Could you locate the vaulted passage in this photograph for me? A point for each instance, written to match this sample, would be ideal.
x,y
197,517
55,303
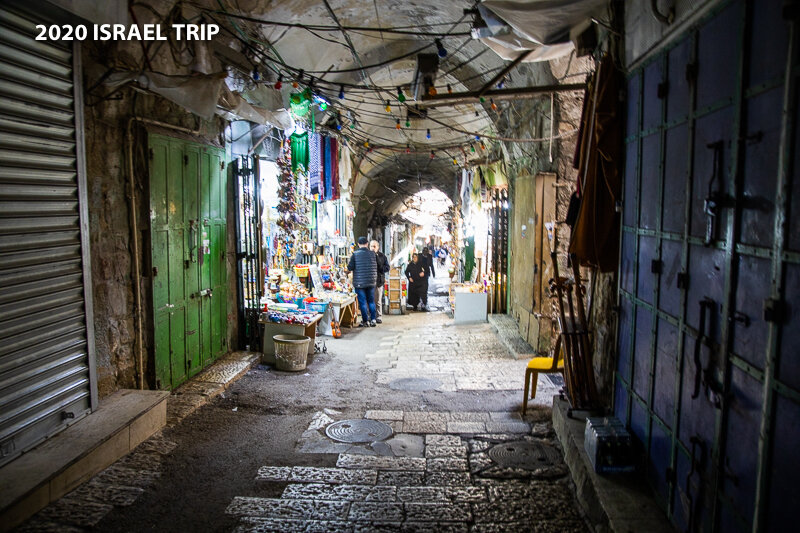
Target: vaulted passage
x,y
370,265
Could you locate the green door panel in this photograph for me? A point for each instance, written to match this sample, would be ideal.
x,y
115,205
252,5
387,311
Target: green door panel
x,y
187,254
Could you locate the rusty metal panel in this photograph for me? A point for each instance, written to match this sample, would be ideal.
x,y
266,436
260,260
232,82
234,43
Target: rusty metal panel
x,y
749,327
744,415
768,43
665,371
713,135
678,88
646,278
788,367
651,104
717,57
669,293
675,175
761,167
648,193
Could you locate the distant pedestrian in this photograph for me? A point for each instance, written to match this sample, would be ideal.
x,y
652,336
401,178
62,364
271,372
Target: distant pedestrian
x,y
383,268
430,272
415,272
364,266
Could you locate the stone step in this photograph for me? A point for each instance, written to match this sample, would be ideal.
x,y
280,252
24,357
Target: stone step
x,y
313,474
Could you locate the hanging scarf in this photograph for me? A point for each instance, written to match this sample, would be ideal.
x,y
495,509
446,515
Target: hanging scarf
x,y
299,151
314,163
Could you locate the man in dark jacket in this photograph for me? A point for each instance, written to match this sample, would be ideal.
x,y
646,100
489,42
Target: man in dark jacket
x,y
383,268
427,263
364,266
415,272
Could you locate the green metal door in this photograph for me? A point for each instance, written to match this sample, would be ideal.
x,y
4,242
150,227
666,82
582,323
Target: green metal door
x,y
187,201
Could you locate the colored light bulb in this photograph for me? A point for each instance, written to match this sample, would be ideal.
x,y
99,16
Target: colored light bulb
x,y
440,48
449,89
400,96
397,125
388,108
279,83
341,92
432,91
493,105
432,154
428,134
408,123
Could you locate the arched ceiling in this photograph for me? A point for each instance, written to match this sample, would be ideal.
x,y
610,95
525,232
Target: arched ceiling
x,y
371,65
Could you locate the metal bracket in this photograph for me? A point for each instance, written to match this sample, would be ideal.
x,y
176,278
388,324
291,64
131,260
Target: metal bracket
x,y
655,266
774,310
740,317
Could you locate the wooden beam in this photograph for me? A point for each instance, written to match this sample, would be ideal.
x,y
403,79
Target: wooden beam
x,y
516,93
506,69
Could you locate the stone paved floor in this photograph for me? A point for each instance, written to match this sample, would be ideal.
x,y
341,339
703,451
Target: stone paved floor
x,y
441,478
256,456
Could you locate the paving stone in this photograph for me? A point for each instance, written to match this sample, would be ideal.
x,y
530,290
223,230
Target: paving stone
x,y
455,512
352,493
504,416
122,476
438,527
422,416
447,464
436,450
141,461
447,478
400,478
456,416
320,420
321,445
384,415
380,463
442,440
507,427
75,511
274,473
157,444
99,492
252,524
464,494
39,525
466,427
479,446
425,426
377,527
312,474
407,445
366,511
278,508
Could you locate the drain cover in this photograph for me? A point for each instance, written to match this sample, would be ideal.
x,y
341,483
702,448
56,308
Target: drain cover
x,y
524,454
360,430
415,384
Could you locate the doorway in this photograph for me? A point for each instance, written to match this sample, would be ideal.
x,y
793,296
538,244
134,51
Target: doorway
x,y
188,217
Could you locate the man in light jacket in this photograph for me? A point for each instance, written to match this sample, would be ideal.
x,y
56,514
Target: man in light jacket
x,y
383,268
364,266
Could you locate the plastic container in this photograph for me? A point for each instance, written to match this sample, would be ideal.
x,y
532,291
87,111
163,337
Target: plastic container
x,y
291,352
301,271
317,307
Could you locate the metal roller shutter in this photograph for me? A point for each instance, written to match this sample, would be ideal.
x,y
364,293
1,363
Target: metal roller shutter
x,y
46,337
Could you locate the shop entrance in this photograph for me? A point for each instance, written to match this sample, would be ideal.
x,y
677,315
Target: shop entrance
x,y
187,206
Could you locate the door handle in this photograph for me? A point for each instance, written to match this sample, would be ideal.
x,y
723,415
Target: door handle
x,y
192,241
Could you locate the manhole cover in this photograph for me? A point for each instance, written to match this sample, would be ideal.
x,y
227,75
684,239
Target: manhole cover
x,y
361,430
415,384
524,454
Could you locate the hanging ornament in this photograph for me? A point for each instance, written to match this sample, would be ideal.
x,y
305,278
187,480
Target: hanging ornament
x,y
428,134
440,48
493,105
279,83
341,92
397,124
400,96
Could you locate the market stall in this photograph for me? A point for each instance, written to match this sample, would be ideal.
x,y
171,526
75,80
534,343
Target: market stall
x,y
287,319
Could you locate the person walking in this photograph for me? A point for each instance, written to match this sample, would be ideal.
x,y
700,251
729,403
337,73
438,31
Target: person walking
x,y
415,272
364,266
383,268
430,272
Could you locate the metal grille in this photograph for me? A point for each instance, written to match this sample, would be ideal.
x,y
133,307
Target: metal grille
x,y
499,248
248,248
46,339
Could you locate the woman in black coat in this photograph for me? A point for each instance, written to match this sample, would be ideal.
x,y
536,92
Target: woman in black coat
x,y
415,272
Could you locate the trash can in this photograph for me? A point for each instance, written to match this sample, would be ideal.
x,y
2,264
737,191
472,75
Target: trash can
x,y
291,352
